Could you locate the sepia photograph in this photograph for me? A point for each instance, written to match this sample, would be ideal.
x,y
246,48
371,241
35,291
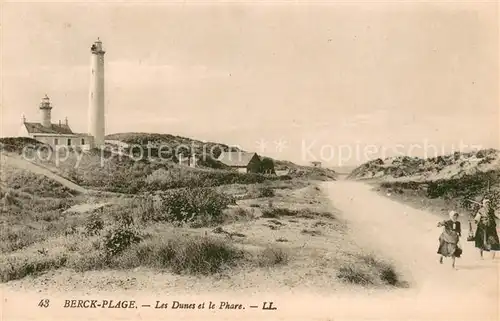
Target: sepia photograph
x,y
250,160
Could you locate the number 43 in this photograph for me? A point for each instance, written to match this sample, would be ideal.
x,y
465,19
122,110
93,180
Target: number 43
x,y
44,303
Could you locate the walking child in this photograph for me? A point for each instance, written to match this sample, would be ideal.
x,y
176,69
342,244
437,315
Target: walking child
x,y
449,238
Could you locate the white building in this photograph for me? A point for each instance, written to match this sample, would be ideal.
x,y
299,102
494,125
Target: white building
x,y
60,134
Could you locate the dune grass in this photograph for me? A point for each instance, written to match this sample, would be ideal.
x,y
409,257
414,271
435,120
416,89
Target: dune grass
x,y
368,270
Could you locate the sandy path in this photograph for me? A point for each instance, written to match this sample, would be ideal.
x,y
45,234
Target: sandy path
x,y
391,229
409,237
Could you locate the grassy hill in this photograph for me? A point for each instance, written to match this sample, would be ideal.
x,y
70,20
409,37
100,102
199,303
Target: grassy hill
x,y
141,138
17,144
450,166
448,181
31,207
132,172
172,145
211,151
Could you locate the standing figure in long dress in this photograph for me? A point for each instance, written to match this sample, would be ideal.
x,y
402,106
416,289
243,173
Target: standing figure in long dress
x,y
449,238
486,237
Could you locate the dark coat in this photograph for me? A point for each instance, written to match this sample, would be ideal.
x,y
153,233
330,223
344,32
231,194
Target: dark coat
x,y
486,237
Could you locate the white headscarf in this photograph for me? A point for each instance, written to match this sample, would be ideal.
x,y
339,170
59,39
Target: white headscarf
x,y
452,214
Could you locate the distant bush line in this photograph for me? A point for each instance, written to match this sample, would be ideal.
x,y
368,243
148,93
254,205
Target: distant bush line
x,y
125,175
465,188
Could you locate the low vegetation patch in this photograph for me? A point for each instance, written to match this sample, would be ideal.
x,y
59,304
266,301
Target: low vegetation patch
x,y
351,273
368,270
460,191
266,191
197,207
178,177
118,239
110,172
94,224
311,232
20,144
272,256
260,190
196,255
386,272
238,214
468,187
276,212
192,255
34,184
29,219
18,267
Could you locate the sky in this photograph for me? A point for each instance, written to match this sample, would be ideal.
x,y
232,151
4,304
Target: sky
x,y
335,82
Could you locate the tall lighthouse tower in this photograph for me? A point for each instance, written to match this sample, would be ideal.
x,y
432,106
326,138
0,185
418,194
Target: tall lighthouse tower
x,y
96,98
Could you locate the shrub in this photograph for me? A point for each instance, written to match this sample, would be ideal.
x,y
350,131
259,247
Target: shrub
x,y
94,225
203,256
271,256
123,218
117,239
383,270
146,208
238,214
194,255
275,212
353,274
267,166
198,206
266,191
201,204
388,275
48,216
269,213
311,232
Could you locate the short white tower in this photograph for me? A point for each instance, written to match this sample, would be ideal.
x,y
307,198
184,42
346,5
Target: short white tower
x,y
96,98
45,109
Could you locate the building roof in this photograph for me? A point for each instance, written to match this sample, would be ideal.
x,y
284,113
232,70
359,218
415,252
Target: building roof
x,y
38,128
236,159
82,134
